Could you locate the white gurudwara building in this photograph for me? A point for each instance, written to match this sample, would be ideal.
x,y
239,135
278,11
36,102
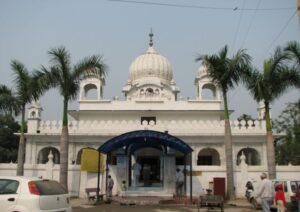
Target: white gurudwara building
x,y
153,126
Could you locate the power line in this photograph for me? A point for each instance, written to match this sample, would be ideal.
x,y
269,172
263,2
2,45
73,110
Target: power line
x,y
238,27
251,22
198,6
281,31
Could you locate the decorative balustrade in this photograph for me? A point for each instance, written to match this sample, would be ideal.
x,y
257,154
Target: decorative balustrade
x,y
173,126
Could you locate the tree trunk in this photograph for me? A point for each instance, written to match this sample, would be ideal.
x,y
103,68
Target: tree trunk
x,y
64,150
228,152
270,144
21,149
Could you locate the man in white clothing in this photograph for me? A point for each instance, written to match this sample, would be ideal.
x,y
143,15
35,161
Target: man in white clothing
x,y
179,182
266,192
136,172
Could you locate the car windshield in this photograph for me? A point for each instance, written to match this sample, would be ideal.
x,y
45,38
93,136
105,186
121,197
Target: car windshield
x,y
49,187
295,185
8,186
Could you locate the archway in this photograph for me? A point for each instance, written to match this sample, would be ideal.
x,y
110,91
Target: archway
x,y
90,92
79,154
208,92
43,155
208,157
252,156
149,139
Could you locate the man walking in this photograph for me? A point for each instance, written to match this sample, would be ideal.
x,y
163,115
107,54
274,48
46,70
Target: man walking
x,y
266,193
110,185
179,183
136,172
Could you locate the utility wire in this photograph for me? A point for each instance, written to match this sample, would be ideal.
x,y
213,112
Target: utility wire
x,y
198,6
238,27
281,31
251,22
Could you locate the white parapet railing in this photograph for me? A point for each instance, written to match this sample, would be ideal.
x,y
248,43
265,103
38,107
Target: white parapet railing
x,y
178,127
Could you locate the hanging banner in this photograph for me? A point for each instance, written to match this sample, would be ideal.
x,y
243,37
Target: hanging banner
x,y
89,161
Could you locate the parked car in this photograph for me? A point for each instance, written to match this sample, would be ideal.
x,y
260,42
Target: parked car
x,y
28,194
289,188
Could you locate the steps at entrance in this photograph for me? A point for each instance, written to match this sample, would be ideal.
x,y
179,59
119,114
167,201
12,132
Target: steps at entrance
x,y
146,192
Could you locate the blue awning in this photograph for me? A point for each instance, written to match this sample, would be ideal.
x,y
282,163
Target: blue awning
x,y
145,136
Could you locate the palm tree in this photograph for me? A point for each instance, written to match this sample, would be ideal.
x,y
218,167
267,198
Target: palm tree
x,y
62,75
27,89
293,49
269,85
225,72
8,102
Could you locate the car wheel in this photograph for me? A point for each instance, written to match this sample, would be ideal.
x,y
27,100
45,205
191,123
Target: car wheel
x,y
254,204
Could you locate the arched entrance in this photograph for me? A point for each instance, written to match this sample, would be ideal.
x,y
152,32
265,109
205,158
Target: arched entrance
x,y
152,149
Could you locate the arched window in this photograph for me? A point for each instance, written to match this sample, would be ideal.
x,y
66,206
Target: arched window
x,y
33,114
43,155
208,157
149,91
208,92
252,156
79,154
90,92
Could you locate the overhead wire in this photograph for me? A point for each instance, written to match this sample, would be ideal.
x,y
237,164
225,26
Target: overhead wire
x,y
251,22
198,6
280,32
238,27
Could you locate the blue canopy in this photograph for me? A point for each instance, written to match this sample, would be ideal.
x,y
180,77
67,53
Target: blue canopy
x,y
145,137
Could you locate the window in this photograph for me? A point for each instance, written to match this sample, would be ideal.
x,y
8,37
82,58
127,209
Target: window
x,y
208,92
8,186
90,92
148,119
43,155
49,187
208,157
252,156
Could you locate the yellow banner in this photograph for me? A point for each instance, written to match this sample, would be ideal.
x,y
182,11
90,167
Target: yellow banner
x,y
89,161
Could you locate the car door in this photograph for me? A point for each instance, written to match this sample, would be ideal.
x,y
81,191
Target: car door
x,y
8,193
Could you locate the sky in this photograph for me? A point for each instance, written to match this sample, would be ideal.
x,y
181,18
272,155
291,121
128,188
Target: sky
x,y
119,32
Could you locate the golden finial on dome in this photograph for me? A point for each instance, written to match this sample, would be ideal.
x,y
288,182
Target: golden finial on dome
x,y
151,36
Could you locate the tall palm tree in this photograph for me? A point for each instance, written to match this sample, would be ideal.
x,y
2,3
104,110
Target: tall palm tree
x,y
27,89
269,85
8,102
225,72
293,49
62,75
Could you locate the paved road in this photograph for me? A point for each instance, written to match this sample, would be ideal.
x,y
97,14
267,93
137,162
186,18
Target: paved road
x,y
160,208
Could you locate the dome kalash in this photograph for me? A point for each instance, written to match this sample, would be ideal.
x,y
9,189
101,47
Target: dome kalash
x,y
150,75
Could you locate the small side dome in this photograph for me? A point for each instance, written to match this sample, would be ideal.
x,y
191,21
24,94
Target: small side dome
x,y
202,71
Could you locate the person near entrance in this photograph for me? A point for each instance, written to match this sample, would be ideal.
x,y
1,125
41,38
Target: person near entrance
x,y
136,172
266,192
110,185
179,182
146,175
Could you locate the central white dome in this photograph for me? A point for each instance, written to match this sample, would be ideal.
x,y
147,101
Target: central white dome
x,y
151,64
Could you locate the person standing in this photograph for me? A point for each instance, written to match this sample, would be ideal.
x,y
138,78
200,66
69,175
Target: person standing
x,y
266,193
280,198
136,172
179,182
110,185
298,197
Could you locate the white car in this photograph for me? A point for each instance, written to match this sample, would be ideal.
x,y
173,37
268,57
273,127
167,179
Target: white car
x,y
289,187
28,194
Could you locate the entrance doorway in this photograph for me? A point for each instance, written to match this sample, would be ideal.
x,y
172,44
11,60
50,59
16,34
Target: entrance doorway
x,y
151,164
150,174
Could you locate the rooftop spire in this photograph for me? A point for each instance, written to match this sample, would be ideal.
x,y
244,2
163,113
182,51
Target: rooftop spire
x,y
151,36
